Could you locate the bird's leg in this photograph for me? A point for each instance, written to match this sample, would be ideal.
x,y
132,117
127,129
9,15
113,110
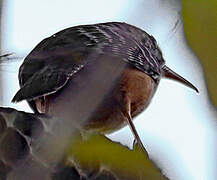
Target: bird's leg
x,y
136,145
129,119
134,131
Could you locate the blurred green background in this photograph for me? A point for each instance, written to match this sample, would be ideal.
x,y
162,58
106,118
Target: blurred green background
x,y
200,26
168,137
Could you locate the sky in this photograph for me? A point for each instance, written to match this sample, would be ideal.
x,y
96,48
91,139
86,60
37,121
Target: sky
x,y
177,127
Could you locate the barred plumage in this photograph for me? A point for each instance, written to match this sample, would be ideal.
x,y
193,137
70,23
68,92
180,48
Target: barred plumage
x,y
76,46
116,64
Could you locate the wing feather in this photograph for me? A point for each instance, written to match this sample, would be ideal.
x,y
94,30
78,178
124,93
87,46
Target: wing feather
x,y
51,63
44,82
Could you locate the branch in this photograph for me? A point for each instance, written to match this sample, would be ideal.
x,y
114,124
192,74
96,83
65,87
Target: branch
x,y
41,147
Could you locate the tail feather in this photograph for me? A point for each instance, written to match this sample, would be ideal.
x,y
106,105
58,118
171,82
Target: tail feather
x,y
168,73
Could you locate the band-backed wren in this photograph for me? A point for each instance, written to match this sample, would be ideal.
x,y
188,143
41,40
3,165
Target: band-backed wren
x,y
99,75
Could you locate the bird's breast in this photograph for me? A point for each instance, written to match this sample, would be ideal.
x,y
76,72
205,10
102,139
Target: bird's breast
x,y
137,86
94,100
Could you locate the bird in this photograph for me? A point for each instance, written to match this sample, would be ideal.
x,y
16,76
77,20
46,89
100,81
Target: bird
x,y
100,75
